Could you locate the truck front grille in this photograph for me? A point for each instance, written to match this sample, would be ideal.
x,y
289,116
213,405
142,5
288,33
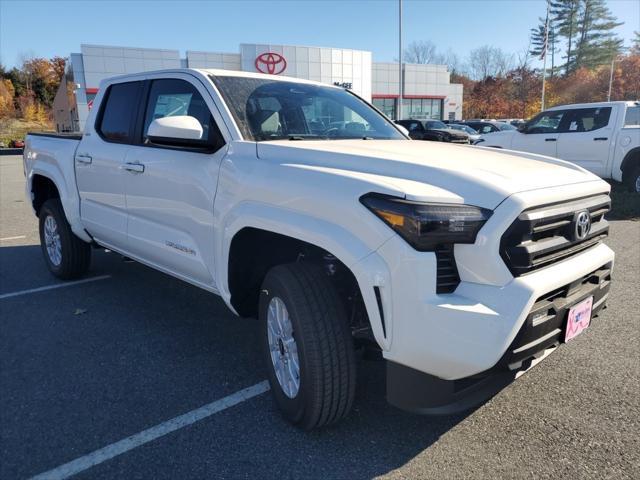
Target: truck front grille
x,y
541,236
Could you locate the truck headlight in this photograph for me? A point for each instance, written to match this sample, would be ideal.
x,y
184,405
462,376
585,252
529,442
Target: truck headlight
x,y
426,225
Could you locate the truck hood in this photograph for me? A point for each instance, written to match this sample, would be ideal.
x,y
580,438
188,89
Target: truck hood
x,y
428,171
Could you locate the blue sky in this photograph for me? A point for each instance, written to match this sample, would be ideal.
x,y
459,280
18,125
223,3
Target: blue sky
x,y
48,28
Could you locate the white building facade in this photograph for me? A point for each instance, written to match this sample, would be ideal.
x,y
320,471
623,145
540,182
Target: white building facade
x,y
428,93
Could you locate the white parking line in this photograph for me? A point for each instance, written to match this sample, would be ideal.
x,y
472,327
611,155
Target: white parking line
x,y
51,287
122,446
6,239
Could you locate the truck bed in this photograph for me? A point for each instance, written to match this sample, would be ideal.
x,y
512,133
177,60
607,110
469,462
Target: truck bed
x,y
52,156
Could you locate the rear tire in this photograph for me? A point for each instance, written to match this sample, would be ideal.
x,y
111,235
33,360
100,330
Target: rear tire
x,y
316,334
633,179
67,257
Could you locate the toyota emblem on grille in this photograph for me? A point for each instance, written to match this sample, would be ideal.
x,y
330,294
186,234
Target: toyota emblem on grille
x,y
270,62
582,225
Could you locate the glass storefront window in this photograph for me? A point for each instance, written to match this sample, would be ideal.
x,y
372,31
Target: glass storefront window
x,y
414,108
386,106
422,108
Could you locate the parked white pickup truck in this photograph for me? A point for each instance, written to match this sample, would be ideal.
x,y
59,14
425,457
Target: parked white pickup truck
x,y
300,204
604,138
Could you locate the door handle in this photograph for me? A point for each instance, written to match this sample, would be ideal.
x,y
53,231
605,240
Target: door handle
x,y
133,167
84,158
600,139
550,139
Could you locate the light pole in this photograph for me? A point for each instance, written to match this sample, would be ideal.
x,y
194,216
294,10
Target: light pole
x,y
613,60
401,87
544,53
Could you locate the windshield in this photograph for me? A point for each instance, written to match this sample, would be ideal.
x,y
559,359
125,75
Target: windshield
x,y
435,125
464,128
275,110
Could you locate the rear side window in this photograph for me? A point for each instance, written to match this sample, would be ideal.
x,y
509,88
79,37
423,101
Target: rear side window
x,y
171,97
632,118
411,126
587,119
119,112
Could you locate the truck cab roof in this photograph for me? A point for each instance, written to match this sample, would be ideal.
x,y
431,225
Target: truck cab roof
x,y
595,105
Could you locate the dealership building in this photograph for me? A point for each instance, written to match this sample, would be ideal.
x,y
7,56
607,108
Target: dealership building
x,y
427,91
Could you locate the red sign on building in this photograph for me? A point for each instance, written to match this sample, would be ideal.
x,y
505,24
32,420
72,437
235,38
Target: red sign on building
x,y
272,63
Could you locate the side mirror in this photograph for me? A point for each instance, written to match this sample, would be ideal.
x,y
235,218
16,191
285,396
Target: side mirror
x,y
181,130
522,128
402,129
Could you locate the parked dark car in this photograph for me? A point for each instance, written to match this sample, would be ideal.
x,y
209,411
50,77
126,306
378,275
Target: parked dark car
x,y
474,136
486,126
433,130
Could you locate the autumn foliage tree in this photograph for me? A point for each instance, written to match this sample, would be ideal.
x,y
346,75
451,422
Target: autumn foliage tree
x,y
28,91
585,31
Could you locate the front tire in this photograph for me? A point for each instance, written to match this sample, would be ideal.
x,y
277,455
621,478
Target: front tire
x,y
67,257
308,346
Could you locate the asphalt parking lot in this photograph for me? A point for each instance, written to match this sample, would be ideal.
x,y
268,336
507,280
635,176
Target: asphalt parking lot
x,y
84,366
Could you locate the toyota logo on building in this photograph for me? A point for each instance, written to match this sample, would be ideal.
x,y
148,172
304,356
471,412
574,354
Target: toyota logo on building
x,y
582,225
272,63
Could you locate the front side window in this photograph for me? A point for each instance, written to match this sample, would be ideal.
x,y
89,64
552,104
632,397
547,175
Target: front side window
x,y
275,110
546,122
632,117
587,119
173,97
119,111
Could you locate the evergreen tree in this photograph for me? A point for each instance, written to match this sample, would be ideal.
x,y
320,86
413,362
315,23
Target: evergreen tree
x,y
635,44
597,43
564,15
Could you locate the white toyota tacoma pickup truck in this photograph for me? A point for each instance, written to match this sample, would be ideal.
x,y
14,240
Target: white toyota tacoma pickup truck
x,y
603,138
302,205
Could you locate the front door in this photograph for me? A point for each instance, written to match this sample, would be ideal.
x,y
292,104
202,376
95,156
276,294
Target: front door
x,y
541,134
170,190
586,137
99,160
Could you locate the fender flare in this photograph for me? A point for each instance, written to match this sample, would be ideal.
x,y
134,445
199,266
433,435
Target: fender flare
x,y
69,200
333,238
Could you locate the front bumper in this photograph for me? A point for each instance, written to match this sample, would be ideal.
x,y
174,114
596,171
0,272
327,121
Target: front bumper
x,y
542,332
457,335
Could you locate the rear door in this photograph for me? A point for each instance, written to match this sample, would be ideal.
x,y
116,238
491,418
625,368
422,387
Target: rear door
x,y
99,159
170,189
585,138
541,134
